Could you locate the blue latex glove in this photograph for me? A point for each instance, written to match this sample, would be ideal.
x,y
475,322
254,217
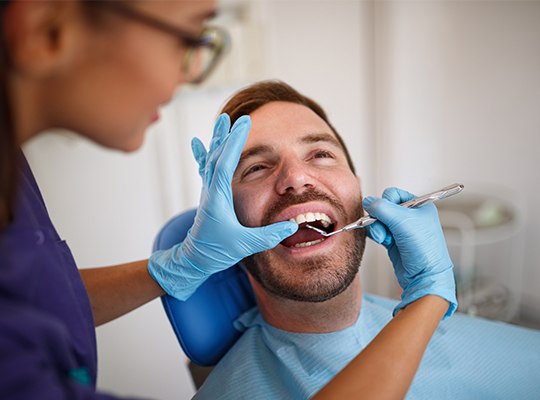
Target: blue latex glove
x,y
216,240
416,247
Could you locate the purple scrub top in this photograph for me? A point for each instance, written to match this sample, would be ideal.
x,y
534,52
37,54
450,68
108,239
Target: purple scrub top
x,y
47,335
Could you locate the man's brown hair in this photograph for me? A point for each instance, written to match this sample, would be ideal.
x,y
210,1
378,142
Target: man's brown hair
x,y
253,97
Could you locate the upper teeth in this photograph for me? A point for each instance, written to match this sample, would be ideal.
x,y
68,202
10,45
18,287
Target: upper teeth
x,y
310,217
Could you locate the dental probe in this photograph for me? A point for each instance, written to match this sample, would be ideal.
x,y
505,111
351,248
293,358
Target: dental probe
x,y
414,203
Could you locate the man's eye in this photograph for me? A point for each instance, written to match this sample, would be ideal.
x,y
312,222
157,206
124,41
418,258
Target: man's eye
x,y
323,154
253,168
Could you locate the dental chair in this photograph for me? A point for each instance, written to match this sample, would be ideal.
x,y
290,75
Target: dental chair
x,y
203,324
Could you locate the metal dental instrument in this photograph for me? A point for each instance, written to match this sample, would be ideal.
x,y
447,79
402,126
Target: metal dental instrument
x,y
414,203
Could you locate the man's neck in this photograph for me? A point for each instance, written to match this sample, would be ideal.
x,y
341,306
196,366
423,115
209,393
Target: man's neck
x,y
332,315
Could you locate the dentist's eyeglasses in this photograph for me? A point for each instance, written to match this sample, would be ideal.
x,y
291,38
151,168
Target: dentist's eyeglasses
x,y
203,52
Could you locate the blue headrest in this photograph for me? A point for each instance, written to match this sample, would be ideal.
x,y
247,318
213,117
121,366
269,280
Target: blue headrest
x,y
204,323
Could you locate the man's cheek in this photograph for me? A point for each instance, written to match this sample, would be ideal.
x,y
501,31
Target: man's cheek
x,y
238,208
242,209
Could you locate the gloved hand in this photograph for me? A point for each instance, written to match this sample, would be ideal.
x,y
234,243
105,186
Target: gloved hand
x,y
216,240
416,246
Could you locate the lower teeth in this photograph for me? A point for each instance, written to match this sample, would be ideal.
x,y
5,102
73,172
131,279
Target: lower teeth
x,y
307,244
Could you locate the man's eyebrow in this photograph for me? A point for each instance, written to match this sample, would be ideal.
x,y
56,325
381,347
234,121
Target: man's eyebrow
x,y
307,139
320,137
254,151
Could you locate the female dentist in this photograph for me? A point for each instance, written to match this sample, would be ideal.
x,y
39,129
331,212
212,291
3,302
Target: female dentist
x,y
102,69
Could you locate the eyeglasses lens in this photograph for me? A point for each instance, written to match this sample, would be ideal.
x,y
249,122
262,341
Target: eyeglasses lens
x,y
202,58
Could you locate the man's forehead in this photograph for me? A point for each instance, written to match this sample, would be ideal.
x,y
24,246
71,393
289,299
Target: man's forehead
x,y
261,147
285,122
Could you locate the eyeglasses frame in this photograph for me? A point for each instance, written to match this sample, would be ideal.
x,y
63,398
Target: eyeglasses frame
x,y
211,37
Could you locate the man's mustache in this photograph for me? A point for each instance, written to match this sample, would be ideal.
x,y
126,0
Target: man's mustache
x,y
286,201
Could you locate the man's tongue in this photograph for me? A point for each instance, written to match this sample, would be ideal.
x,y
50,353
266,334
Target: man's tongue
x,y
303,235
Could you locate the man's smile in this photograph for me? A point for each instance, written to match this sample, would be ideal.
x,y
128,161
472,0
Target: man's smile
x,y
317,213
306,237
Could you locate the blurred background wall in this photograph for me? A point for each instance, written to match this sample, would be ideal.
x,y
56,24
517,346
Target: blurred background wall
x,y
424,93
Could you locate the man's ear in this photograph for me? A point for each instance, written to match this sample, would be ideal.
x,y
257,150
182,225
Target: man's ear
x,y
38,34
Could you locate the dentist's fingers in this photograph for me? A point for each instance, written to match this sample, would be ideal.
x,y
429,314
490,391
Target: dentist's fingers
x,y
199,153
376,232
397,195
386,211
221,134
221,130
231,150
269,236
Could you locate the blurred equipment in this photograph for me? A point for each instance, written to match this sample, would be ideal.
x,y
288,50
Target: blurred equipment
x,y
484,232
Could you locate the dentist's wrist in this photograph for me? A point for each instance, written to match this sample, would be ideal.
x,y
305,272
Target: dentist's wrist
x,y
441,284
174,272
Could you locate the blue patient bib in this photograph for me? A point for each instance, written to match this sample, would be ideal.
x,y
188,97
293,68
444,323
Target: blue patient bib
x,y
467,358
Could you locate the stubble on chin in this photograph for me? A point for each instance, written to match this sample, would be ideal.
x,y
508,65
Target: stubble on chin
x,y
315,279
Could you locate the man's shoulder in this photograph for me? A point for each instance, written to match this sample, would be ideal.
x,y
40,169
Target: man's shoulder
x,y
239,374
262,348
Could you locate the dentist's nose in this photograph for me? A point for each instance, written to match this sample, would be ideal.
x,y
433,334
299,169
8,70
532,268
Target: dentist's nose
x,y
293,177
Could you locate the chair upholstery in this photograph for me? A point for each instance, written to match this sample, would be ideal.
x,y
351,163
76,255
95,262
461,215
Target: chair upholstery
x,y
203,323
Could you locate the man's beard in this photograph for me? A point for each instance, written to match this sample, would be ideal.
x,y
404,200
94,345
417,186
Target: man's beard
x,y
326,276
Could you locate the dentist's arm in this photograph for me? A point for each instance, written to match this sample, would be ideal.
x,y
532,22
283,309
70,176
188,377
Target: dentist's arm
x,y
386,367
117,290
416,246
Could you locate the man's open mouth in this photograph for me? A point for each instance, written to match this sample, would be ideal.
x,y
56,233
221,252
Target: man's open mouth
x,y
306,237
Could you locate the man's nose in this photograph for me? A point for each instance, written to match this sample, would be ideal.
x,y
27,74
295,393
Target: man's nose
x,y
294,177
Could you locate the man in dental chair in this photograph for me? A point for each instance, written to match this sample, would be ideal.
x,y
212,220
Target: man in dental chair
x,y
312,316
